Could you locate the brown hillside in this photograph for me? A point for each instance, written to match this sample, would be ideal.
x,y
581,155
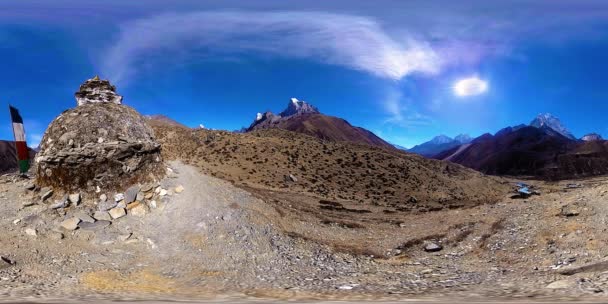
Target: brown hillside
x,y
327,128
334,171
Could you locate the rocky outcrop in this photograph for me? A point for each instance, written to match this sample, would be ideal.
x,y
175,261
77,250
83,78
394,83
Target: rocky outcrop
x,y
96,90
98,145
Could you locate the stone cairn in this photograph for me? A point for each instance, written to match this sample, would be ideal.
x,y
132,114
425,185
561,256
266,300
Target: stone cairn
x,y
100,145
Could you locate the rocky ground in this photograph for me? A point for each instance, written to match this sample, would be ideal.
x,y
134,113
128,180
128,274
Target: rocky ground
x,y
204,237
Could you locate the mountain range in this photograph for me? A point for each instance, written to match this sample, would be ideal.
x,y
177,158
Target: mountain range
x,y
545,149
302,117
440,143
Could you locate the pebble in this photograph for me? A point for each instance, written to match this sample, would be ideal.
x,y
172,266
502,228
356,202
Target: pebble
x,y
60,204
117,213
432,247
15,222
162,192
103,197
179,189
30,186
28,204
153,204
31,232
71,223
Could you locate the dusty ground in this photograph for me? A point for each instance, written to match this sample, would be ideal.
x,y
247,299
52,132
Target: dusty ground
x,y
215,239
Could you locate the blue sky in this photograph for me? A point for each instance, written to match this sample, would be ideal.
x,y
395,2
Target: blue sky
x,y
388,66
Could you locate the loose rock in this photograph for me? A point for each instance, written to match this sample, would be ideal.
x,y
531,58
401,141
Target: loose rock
x,y
85,217
46,193
116,213
432,247
102,216
74,198
131,194
70,224
98,225
31,232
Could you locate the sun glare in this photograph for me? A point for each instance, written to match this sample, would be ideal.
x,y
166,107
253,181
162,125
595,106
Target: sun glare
x,y
471,86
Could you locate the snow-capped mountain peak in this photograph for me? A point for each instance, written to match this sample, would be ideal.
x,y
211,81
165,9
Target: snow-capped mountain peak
x,y
552,122
463,138
441,139
296,106
592,137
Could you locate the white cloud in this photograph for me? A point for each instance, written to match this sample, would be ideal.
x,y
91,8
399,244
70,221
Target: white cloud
x,y
351,41
470,87
400,115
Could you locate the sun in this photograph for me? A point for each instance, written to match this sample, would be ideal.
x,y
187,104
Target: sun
x,y
470,86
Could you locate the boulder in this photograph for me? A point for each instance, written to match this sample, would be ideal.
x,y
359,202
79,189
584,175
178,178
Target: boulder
x,y
99,145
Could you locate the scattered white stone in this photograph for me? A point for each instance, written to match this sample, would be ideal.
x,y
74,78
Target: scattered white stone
x,y
60,204
17,221
31,232
70,224
74,198
116,213
163,192
151,243
153,204
119,197
179,189
103,197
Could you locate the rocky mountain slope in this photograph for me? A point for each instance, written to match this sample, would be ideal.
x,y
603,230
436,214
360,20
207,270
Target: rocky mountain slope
x,y
550,121
531,151
301,117
358,174
440,143
8,156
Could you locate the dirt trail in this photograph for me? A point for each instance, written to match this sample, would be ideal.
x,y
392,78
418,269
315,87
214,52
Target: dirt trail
x,y
218,242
